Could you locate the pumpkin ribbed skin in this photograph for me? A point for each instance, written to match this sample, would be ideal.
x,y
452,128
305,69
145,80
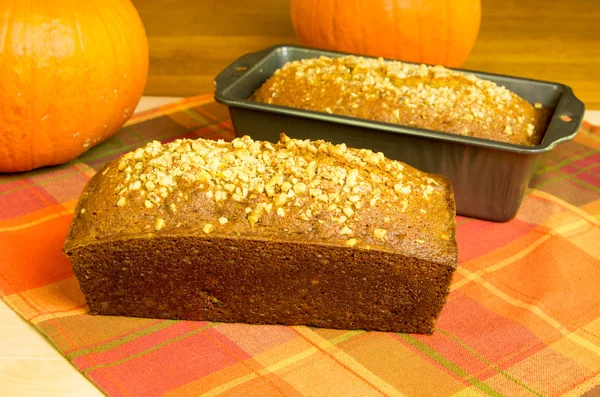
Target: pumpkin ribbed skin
x,y
439,32
71,73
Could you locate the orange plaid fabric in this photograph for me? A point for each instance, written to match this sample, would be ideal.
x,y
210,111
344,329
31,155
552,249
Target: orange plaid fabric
x,y
523,317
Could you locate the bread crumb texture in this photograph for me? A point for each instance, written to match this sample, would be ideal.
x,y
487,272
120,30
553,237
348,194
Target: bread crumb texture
x,y
431,97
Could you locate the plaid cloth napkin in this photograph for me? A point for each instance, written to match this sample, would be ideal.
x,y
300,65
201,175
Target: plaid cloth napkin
x,y
523,317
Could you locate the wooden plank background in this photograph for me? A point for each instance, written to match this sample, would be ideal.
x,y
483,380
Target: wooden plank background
x,y
192,40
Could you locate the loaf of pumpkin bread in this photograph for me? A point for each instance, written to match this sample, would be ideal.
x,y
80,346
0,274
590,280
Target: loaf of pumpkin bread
x,y
430,97
298,232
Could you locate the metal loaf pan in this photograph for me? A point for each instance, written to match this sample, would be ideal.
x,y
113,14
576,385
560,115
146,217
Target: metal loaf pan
x,y
489,178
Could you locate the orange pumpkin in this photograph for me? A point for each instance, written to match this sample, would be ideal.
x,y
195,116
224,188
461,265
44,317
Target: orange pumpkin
x,y
71,73
425,31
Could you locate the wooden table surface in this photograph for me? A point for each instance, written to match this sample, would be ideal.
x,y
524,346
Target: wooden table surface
x,y
191,41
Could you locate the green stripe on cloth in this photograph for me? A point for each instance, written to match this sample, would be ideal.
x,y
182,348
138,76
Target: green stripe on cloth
x,y
153,348
571,177
488,363
541,167
449,365
121,341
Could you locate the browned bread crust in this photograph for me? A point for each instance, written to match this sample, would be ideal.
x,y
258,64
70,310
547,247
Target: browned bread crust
x,y
297,232
430,97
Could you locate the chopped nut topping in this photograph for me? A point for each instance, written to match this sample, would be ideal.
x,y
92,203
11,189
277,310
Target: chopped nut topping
x,y
299,178
323,197
160,223
352,177
372,159
300,188
285,187
82,211
252,219
220,196
351,242
138,154
348,211
379,233
315,192
404,204
230,187
346,231
280,200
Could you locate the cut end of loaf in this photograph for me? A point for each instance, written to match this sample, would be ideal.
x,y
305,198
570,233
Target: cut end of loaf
x,y
262,282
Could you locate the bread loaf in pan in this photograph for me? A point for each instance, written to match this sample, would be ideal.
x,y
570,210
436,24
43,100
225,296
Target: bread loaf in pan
x,y
298,232
430,97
